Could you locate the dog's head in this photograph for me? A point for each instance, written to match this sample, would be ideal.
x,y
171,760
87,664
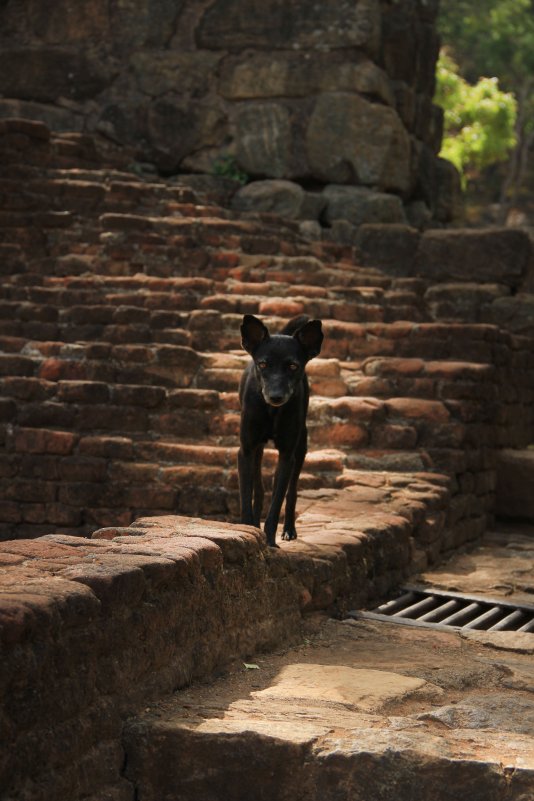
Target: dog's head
x,y
280,359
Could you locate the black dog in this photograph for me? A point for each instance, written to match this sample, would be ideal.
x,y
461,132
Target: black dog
x,y
274,395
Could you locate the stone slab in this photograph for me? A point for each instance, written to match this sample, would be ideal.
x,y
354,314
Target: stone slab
x,y
358,710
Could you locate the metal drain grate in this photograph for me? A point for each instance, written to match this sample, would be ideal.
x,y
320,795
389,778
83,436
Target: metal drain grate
x,y
435,609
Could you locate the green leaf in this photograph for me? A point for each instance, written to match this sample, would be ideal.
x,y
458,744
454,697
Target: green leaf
x,y
249,666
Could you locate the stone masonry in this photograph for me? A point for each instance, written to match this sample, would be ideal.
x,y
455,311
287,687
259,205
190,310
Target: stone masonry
x,y
120,359
335,94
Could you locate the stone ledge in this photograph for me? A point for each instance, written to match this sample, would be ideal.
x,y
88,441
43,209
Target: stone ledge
x,y
92,629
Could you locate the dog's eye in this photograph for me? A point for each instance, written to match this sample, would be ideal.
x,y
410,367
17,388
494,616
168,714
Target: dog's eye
x,y
262,365
293,366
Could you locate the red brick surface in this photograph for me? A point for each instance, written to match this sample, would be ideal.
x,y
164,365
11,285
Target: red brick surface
x,y
120,359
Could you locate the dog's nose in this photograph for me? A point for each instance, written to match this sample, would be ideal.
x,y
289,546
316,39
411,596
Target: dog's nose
x,y
276,400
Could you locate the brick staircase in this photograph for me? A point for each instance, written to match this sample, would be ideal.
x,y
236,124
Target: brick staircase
x,y
121,298
120,358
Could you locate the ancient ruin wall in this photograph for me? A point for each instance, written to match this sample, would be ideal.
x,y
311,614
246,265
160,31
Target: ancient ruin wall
x,y
318,93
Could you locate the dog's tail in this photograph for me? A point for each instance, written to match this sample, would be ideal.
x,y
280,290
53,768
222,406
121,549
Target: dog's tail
x,y
293,325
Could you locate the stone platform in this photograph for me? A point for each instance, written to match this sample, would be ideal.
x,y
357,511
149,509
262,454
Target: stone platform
x,y
361,710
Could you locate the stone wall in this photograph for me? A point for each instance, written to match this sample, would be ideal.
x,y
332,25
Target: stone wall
x,y
94,630
336,93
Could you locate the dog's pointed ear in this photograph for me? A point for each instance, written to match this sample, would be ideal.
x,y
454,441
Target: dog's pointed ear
x,y
253,333
311,338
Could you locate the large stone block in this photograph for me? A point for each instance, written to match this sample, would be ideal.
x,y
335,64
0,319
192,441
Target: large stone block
x,y
48,73
515,479
499,255
61,21
264,143
390,247
281,197
350,140
514,313
177,127
302,74
358,205
168,71
271,24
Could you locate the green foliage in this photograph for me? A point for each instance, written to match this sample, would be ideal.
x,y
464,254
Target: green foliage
x,y
479,119
227,167
495,37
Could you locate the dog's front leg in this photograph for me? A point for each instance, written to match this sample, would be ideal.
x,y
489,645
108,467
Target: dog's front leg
x,y
281,482
289,532
245,469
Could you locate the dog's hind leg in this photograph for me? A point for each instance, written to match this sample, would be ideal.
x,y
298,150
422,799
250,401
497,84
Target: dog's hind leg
x,y
258,486
289,532
245,466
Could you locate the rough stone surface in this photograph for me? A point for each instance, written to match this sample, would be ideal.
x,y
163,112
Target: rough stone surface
x,y
478,256
359,710
352,141
359,205
273,25
514,313
391,247
515,477
458,300
120,359
281,197
338,92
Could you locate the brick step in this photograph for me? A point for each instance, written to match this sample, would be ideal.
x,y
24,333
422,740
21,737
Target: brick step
x,y
72,482
90,192
181,292
125,244
120,320
347,341
150,365
44,398
389,377
181,365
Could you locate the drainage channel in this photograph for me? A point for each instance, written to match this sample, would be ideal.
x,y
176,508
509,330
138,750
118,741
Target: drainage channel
x,y
437,609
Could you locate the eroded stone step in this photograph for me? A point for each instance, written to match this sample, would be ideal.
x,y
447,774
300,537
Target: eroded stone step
x,y
359,710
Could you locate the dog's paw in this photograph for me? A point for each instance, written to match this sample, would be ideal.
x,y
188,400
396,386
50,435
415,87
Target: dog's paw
x,y
289,534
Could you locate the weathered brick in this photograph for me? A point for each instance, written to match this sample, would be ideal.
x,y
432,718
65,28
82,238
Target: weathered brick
x,y
28,388
107,446
30,491
148,397
8,409
376,366
194,398
112,418
394,436
414,408
341,435
133,471
38,440
80,494
10,512
82,468
153,496
83,392
282,308
48,414
16,365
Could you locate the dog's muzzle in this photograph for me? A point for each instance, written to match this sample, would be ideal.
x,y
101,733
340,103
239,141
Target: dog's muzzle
x,y
276,400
